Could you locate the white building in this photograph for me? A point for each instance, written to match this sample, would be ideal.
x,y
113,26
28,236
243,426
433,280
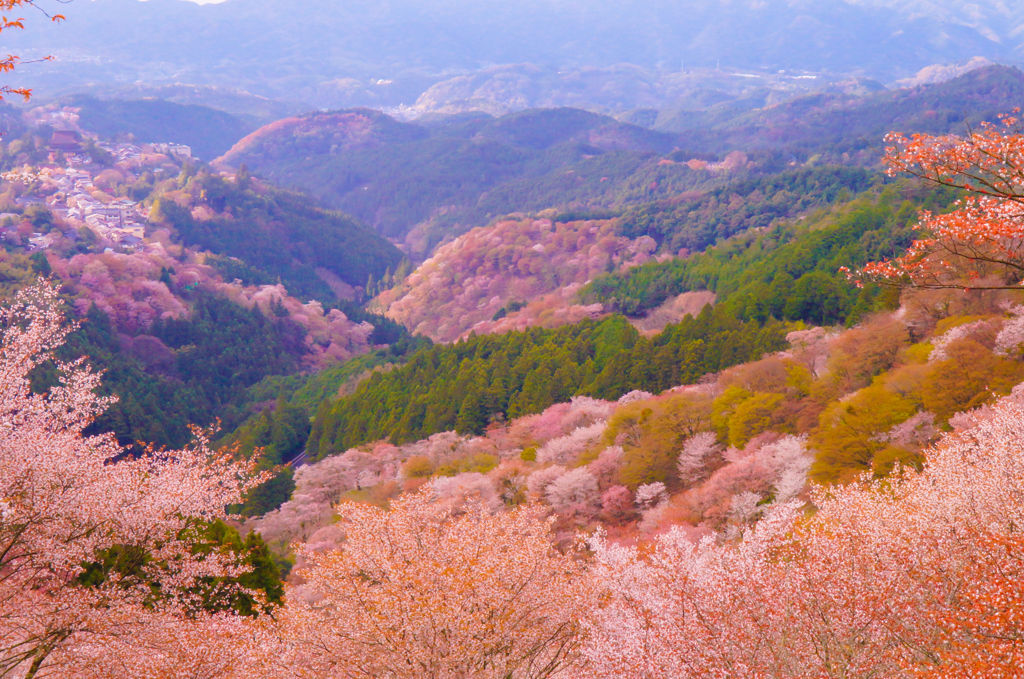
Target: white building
x,y
179,150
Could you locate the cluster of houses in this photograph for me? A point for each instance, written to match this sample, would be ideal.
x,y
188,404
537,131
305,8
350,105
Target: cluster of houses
x,y
9,225
120,221
117,222
121,152
70,141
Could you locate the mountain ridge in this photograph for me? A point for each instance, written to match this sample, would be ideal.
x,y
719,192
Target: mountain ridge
x,y
424,183
351,59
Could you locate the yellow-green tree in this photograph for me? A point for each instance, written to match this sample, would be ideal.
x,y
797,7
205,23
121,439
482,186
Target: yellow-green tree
x,y
970,376
849,434
753,416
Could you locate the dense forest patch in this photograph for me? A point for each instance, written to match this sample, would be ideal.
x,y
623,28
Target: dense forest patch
x,y
790,271
464,385
277,233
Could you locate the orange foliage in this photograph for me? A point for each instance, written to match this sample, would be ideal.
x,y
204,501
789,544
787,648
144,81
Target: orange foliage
x,y
968,378
981,244
984,636
865,351
8,63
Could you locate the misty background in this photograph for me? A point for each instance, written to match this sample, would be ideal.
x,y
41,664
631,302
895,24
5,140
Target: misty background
x,y
268,58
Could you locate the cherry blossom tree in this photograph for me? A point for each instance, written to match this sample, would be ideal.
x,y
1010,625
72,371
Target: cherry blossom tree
x,y
72,505
565,449
539,481
941,343
650,495
917,432
617,504
1011,336
419,592
916,575
574,491
694,455
177,646
606,467
509,479
683,610
457,490
318,487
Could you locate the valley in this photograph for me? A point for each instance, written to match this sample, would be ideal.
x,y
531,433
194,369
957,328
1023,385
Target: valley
x,y
153,246
478,368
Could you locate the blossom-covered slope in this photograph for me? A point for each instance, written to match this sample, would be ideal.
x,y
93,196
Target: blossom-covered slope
x,y
707,457
182,333
511,275
907,574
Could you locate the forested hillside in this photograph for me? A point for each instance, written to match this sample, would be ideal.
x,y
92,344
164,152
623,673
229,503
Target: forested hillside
x,y
834,404
179,347
394,175
185,321
791,270
573,418
184,372
462,386
690,223
519,273
510,275
277,235
787,272
209,132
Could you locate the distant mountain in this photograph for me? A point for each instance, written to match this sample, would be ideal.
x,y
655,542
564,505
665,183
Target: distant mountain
x,y
839,123
207,131
363,52
250,108
511,87
442,175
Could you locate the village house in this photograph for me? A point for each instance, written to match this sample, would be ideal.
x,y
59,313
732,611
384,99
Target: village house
x,y
66,140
